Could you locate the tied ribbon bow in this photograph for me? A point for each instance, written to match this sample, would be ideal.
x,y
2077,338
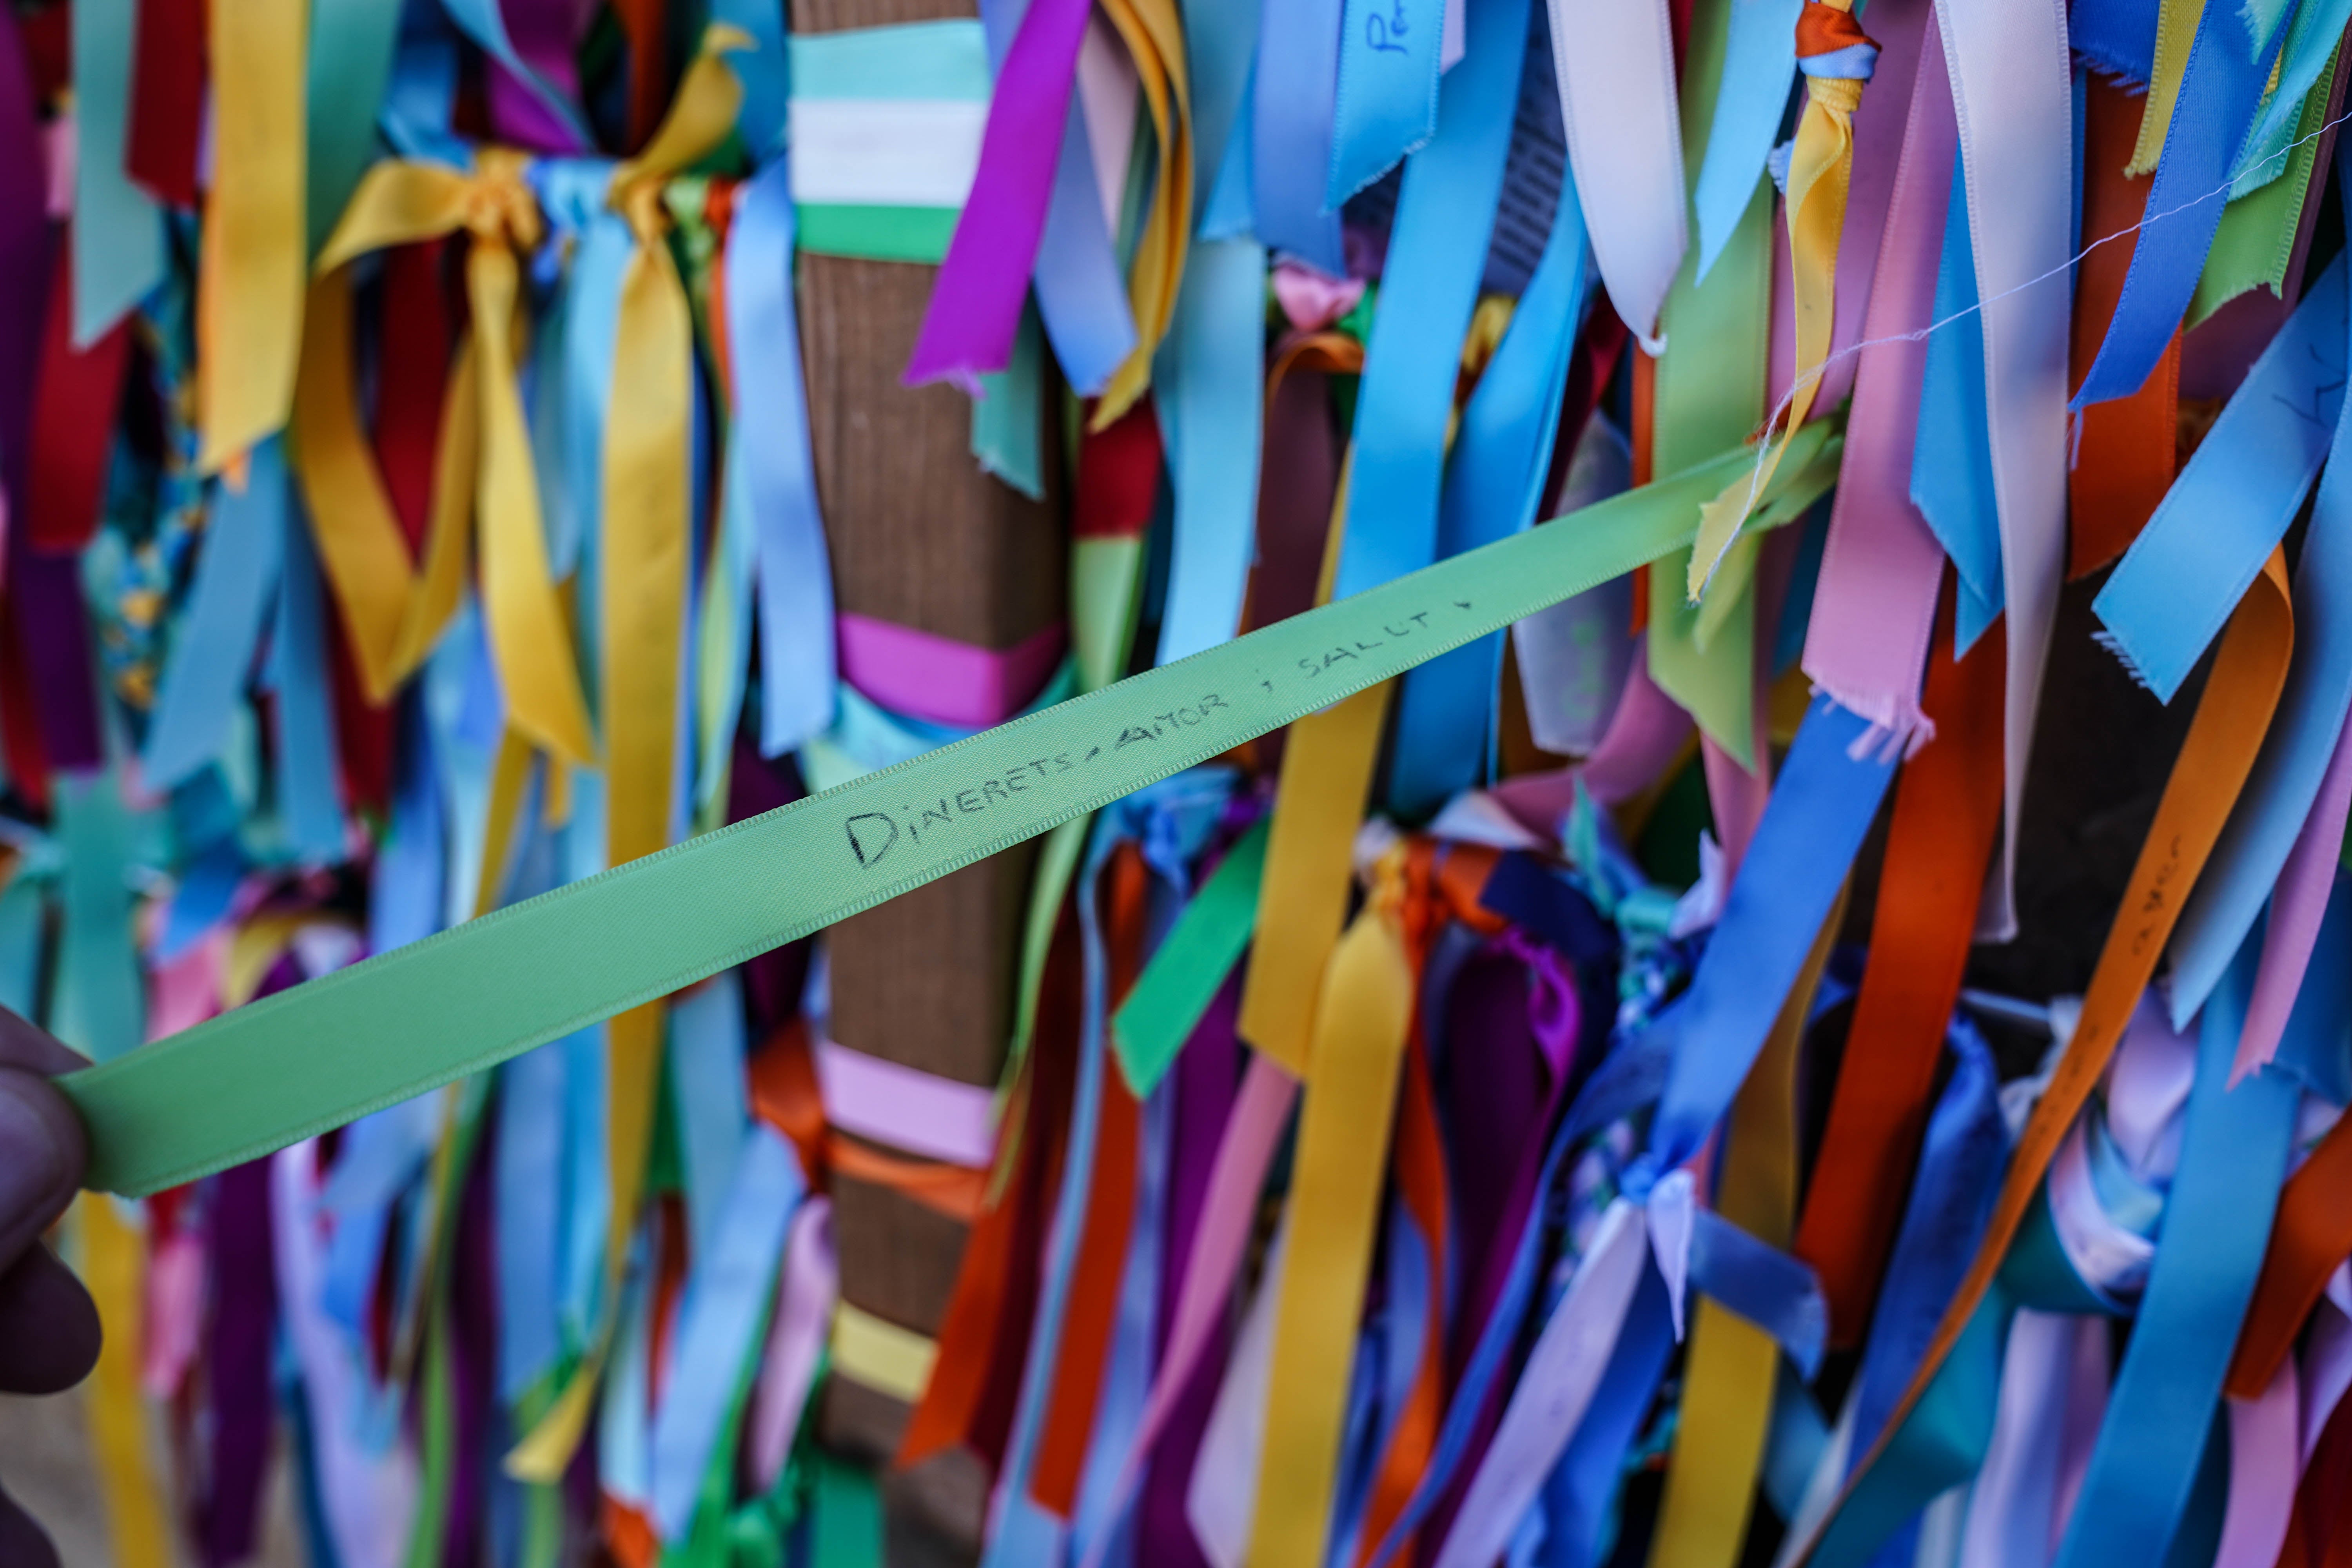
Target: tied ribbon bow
x,y
647,502
393,610
1837,58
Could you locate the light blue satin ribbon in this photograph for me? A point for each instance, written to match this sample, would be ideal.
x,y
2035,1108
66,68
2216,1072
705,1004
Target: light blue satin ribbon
x,y
1760,67
795,574
200,900
719,1317
704,1061
2219,95
351,56
482,21
117,230
1821,807
1386,102
1211,372
1293,111
1210,380
2271,810
2217,1223
1081,291
1492,489
527,1177
23,913
236,581
309,814
1437,251
99,1002
2182,578
422,91
1951,464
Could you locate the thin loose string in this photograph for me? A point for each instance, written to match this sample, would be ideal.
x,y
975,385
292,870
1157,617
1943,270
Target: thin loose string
x,y
1919,334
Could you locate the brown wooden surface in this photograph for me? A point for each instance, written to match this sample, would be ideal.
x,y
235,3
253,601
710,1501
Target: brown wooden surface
x,y
921,537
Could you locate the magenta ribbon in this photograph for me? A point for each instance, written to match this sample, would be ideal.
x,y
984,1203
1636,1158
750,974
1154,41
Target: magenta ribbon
x,y
975,306
1875,607
941,680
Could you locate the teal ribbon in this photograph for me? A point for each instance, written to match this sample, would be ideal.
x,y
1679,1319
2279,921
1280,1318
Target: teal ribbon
x,y
117,230
2217,1223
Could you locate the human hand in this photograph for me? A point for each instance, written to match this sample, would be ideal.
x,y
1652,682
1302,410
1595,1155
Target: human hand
x,y
48,1326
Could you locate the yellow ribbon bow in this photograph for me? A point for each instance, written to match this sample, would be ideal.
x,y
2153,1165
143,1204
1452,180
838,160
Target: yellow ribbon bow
x,y
392,613
648,526
1836,57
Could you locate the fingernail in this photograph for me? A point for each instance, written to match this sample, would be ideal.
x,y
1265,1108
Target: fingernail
x,y
35,1165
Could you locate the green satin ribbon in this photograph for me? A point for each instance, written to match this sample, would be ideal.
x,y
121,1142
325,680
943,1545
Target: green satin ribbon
x,y
321,1055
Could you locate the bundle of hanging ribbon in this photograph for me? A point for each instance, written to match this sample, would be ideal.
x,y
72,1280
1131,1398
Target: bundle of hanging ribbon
x,y
1688,794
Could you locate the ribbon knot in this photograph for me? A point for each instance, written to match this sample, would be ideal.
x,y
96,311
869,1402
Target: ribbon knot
x,y
500,206
1832,46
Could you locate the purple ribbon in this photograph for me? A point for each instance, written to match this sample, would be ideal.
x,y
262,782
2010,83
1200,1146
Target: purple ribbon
x,y
975,306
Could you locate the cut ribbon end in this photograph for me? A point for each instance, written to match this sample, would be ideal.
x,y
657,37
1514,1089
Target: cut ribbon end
x,y
1672,1208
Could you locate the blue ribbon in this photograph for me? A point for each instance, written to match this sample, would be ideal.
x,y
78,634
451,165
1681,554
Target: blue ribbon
x,y
1494,487
1292,113
2271,810
117,230
1759,65
1445,214
1210,379
100,1003
2217,1222
1080,290
1961,1163
309,813
236,574
1386,102
706,1051
765,72
795,575
2118,37
718,1323
1772,1290
2322,1062
2232,505
1820,809
1951,464
1579,1499
2219,95
528,1175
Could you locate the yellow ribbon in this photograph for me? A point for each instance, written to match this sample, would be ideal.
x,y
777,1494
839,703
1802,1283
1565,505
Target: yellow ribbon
x,y
1729,1377
1362,1021
114,1264
250,283
646,530
1302,902
2176,30
392,615
1819,172
880,1354
1154,36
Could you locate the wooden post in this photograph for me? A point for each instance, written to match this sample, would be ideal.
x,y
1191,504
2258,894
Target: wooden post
x,y
921,537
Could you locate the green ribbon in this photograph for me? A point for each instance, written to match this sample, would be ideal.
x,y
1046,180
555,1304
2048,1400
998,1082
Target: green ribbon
x,y
315,1057
1190,967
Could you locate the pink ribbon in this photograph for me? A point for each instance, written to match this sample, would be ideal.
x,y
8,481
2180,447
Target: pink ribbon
x,y
1310,300
919,1112
1645,735
941,680
1227,1216
2263,1471
1875,608
811,1282
2297,903
1878,143
975,306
